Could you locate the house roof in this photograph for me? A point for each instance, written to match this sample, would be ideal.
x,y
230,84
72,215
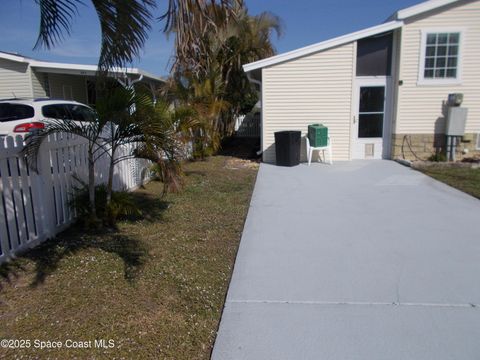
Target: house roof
x,y
421,8
74,69
344,39
393,22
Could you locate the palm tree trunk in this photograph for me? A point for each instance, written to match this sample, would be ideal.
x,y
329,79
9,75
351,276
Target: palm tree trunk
x,y
91,184
110,178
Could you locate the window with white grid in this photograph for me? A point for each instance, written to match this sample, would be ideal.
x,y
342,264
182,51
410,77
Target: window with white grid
x,y
440,57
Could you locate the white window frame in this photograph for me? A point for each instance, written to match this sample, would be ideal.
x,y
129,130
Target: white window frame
x,y
423,44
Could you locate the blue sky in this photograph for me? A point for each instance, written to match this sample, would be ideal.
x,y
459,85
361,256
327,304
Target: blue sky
x,y
305,21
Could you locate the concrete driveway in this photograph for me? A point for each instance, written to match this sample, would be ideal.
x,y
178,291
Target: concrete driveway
x,y
359,260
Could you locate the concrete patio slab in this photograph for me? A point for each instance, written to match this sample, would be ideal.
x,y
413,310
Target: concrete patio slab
x,y
362,259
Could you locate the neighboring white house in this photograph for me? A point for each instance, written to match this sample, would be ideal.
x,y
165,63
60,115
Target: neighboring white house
x,y
22,77
381,91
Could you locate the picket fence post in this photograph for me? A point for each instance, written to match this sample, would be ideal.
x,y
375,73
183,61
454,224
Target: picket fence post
x,y
47,199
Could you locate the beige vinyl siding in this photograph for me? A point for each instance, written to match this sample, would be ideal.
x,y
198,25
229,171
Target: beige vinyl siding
x,y
419,108
313,89
57,81
14,79
38,82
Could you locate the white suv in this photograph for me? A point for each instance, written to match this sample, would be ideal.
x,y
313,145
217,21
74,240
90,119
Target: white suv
x,y
21,116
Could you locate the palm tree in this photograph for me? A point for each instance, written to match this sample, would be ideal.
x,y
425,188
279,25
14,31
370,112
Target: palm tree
x,y
115,109
247,39
205,98
191,22
125,24
89,129
155,131
167,130
213,67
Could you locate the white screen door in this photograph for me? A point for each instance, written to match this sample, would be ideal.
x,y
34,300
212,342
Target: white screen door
x,y
370,128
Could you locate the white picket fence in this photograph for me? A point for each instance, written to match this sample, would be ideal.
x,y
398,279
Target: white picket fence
x,y
35,206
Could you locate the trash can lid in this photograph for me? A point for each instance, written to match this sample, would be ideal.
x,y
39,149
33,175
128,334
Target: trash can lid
x,y
288,132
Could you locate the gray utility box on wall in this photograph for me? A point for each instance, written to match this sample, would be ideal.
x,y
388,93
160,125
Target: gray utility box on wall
x,y
456,120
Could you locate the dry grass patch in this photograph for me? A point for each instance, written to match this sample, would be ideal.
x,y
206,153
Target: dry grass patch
x,y
156,286
463,178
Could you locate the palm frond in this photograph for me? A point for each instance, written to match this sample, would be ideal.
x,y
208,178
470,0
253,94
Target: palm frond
x,y
34,141
55,20
191,21
124,25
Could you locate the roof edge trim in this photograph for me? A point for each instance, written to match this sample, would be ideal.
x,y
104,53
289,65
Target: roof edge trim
x,y
76,67
12,57
422,8
324,45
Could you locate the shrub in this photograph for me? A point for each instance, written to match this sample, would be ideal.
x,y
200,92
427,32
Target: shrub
x,y
122,205
438,157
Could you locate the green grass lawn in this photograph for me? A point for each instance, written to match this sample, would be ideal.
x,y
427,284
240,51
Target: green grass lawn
x,y
156,287
465,179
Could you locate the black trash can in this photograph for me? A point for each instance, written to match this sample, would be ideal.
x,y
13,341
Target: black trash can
x,y
287,147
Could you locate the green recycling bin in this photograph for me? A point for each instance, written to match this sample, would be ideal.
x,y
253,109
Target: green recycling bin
x,y
318,135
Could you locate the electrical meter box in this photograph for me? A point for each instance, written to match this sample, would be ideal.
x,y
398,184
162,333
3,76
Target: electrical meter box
x,y
456,120
455,99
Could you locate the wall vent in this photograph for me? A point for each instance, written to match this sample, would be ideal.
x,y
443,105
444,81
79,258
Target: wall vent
x,y
369,150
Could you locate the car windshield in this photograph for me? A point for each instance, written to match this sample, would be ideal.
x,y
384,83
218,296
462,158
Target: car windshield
x,y
68,112
10,112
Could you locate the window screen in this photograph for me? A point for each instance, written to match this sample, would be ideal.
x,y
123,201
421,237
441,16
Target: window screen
x,y
374,55
371,112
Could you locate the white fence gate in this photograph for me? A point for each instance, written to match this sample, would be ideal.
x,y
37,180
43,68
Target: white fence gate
x,y
35,206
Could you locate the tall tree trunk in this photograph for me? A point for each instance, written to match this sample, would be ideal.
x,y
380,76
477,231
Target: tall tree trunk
x,y
110,177
91,184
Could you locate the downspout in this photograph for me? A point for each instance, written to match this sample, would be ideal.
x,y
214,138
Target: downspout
x,y
252,80
259,83
128,84
152,90
133,82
